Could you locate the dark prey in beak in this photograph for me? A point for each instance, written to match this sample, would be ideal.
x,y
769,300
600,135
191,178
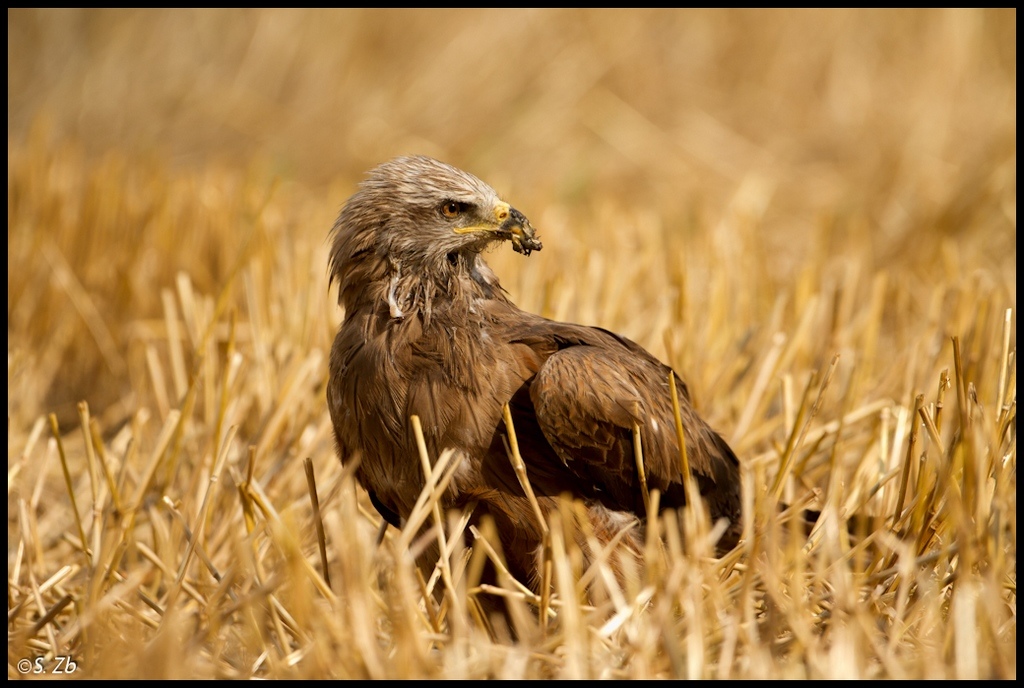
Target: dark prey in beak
x,y
522,233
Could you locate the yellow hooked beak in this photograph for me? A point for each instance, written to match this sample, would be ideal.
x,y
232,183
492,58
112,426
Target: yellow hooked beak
x,y
510,224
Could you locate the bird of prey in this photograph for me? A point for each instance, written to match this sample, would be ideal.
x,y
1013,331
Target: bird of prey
x,y
428,331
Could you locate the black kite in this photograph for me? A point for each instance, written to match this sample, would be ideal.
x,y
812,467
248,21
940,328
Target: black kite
x,y
428,331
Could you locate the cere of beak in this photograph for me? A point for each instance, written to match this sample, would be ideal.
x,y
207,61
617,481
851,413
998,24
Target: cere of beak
x,y
521,232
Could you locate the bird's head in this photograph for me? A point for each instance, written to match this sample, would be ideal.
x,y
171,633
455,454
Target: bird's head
x,y
419,210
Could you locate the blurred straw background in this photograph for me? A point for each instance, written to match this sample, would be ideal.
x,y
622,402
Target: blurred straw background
x,y
811,215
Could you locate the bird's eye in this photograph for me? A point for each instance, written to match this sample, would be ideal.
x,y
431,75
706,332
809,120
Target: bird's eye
x,y
452,208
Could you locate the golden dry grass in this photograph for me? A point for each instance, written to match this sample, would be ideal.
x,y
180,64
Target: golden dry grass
x,y
811,215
